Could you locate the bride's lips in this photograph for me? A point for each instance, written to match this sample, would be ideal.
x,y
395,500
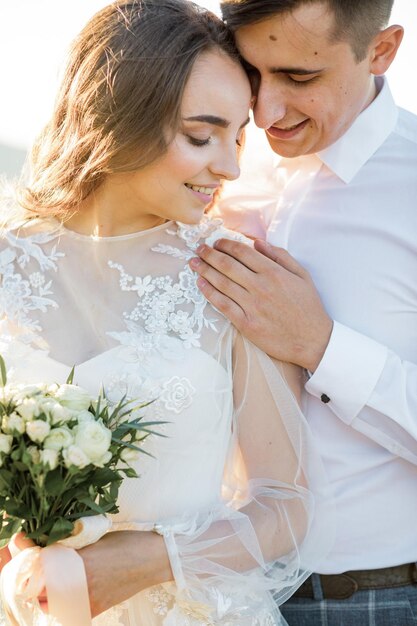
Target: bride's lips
x,y
205,198
282,133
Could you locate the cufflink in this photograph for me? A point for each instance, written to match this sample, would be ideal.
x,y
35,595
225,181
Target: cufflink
x,y
324,398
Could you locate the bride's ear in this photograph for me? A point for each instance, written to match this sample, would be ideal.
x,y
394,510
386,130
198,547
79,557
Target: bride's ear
x,y
384,49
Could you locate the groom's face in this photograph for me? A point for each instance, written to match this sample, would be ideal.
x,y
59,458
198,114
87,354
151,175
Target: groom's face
x,y
308,88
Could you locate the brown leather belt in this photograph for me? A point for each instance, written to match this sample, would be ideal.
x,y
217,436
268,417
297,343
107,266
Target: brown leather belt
x,y
342,586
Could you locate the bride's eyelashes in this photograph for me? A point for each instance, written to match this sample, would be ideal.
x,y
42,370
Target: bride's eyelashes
x,y
198,142
205,142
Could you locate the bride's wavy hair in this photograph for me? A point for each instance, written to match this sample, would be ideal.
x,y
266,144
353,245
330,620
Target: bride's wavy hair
x,y
118,106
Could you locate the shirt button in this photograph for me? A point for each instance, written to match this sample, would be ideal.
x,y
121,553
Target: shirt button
x,y
324,398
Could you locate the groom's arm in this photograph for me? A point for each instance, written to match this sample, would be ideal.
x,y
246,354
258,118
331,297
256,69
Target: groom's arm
x,y
272,300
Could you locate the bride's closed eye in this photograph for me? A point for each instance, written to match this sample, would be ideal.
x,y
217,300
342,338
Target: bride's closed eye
x,y
205,142
194,141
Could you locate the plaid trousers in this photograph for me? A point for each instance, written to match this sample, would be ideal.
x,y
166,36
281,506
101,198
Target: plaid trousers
x,y
380,607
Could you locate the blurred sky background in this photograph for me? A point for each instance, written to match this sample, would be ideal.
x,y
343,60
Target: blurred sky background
x,y
34,37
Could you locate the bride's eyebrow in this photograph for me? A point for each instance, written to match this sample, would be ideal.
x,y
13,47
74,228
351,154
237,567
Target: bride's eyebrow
x,y
213,119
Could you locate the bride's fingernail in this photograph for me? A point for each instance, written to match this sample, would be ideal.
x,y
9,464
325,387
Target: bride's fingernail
x,y
201,248
195,262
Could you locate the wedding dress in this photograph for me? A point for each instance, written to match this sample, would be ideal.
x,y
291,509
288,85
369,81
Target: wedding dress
x,y
234,482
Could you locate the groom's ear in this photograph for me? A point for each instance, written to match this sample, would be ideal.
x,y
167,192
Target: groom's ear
x,y
384,47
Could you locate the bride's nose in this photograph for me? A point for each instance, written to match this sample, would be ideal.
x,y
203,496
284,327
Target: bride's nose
x,y
226,164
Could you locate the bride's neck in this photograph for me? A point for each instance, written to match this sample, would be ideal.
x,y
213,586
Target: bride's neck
x,y
107,213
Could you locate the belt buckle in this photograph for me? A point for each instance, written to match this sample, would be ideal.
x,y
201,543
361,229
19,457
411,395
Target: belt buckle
x,y
339,587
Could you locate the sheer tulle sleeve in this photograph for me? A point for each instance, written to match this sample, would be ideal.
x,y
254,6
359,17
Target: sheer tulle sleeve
x,y
257,545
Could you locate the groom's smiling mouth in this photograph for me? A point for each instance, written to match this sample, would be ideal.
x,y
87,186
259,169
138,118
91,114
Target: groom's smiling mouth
x,y
287,132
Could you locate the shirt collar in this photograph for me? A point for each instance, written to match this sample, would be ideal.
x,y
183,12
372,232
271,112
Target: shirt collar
x,y
350,152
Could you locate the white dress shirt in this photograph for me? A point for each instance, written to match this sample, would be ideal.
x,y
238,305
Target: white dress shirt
x,y
349,215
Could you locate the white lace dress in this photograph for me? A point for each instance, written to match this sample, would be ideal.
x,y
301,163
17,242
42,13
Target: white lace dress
x,y
228,483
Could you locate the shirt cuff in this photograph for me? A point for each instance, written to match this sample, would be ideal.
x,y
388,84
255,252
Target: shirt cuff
x,y
348,372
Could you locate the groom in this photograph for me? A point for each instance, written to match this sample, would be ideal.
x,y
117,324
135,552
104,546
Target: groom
x,y
335,289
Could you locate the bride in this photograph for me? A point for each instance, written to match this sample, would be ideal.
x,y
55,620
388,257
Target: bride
x,y
95,271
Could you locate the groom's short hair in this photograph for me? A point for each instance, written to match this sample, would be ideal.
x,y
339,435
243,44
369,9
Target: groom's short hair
x,y
356,21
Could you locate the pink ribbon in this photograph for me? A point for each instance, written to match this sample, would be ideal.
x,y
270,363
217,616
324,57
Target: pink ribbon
x,y
61,571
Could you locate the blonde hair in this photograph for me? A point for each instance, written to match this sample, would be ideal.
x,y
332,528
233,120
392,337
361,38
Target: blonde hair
x,y
118,106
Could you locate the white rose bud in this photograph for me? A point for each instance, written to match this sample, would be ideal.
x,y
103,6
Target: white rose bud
x,y
129,456
103,403
6,394
38,430
73,455
73,397
5,443
13,423
49,457
58,439
34,454
94,439
28,409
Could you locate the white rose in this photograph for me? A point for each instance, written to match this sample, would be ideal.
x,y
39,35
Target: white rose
x,y
34,454
129,456
37,430
94,439
103,460
13,422
73,397
73,455
49,457
59,413
28,409
24,391
84,416
58,438
5,443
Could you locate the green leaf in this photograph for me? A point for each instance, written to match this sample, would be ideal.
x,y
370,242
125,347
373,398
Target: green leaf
x,y
70,378
91,505
130,472
61,529
11,527
6,479
20,466
104,476
16,509
3,372
53,482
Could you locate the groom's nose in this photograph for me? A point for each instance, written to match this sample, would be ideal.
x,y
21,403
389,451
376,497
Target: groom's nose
x,y
269,107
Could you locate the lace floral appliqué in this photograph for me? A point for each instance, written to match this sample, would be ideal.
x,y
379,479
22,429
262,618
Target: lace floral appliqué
x,y
160,299
19,296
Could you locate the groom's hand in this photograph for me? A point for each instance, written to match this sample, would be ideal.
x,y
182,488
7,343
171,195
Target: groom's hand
x,y
268,296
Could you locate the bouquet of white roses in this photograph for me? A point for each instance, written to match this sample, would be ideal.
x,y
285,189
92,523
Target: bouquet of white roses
x,y
63,456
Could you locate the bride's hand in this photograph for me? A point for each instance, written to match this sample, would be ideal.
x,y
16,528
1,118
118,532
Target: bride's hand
x,y
121,564
5,557
18,543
